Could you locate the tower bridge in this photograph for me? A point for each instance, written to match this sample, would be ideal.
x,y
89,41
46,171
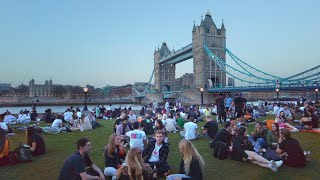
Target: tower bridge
x,y
210,70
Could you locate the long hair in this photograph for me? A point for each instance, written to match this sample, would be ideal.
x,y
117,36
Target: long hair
x,y
134,164
161,126
276,132
2,139
189,152
255,131
111,145
30,132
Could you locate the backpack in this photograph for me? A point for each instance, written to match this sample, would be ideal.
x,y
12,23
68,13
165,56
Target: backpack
x,y
220,150
23,152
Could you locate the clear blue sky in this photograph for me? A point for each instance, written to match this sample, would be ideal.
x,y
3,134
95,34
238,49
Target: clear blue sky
x,y
100,42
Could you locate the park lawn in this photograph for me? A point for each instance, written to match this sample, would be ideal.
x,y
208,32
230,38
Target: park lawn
x,y
61,146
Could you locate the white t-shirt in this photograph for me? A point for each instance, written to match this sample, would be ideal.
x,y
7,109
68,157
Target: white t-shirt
x,y
136,138
170,125
155,153
67,116
9,119
132,118
190,129
3,126
56,123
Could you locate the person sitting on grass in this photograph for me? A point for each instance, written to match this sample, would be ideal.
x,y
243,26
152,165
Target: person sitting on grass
x,y
282,122
156,153
74,166
191,165
171,125
3,125
113,154
158,126
137,136
190,130
210,128
147,124
134,167
223,135
57,123
242,152
290,150
85,124
180,121
258,137
4,148
273,136
35,141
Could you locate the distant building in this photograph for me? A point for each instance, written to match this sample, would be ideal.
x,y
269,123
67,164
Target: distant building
x,y
125,90
5,87
40,89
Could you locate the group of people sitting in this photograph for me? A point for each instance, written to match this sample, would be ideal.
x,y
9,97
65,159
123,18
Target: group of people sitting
x,y
137,163
34,141
243,147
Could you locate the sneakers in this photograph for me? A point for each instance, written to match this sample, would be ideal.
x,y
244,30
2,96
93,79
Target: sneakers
x,y
295,130
279,163
273,166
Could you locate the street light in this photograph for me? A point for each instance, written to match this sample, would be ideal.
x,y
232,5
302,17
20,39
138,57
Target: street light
x,y
277,90
201,90
317,100
85,90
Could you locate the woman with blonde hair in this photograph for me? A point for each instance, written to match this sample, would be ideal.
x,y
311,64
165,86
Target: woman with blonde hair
x,y
135,169
113,154
191,165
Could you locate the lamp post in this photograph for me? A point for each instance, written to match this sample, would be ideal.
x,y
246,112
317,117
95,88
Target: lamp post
x,y
85,90
201,90
277,90
317,100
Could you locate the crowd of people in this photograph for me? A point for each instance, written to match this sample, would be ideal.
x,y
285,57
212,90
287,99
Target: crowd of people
x,y
147,138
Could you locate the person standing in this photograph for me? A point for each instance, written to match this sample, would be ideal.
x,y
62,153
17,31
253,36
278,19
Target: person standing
x,y
228,103
74,166
221,109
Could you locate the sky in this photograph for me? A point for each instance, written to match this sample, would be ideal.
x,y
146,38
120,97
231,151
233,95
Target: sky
x,y
102,42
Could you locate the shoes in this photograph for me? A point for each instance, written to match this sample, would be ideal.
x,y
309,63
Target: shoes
x,y
306,153
279,163
295,130
273,166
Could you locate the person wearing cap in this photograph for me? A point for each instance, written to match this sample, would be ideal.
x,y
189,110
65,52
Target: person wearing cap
x,y
210,128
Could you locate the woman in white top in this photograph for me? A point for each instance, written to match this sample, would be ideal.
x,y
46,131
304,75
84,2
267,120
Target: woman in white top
x,y
85,123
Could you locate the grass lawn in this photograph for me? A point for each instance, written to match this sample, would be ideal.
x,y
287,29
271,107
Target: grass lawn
x,y
61,146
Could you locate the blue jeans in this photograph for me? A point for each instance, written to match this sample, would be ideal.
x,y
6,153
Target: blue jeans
x,y
260,143
173,176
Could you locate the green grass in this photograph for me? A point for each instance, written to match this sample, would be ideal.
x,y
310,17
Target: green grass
x,y
61,146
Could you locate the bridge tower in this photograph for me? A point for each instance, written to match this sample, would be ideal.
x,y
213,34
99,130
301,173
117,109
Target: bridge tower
x,y
164,73
203,66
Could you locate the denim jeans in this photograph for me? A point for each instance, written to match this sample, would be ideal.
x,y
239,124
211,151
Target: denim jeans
x,y
260,143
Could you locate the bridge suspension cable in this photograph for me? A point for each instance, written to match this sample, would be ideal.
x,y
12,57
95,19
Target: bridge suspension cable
x,y
248,67
237,74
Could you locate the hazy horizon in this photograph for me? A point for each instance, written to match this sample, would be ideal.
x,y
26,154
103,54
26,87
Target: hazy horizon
x,y
101,43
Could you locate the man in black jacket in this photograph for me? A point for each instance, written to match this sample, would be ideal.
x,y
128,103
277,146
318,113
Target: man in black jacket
x,y
156,153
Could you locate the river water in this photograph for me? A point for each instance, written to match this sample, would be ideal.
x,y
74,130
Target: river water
x,y
60,109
